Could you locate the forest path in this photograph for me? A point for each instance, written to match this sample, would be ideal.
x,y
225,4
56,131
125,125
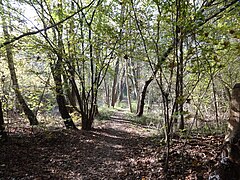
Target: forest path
x,y
116,149
119,121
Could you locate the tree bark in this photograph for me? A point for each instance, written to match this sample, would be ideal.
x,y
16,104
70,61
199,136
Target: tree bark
x,y
144,90
135,76
3,134
87,123
71,100
228,167
142,97
56,72
215,100
1,117
234,116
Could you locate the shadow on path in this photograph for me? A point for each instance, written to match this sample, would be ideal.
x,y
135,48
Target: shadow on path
x,y
115,150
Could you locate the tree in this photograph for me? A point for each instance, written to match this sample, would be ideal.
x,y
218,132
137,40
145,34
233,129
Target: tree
x,y
28,112
201,17
165,42
229,165
95,61
3,134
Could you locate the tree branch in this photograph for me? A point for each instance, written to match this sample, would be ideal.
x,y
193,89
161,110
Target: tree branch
x,y
44,29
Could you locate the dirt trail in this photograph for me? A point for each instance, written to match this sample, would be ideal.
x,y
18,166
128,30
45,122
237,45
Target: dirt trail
x,y
116,149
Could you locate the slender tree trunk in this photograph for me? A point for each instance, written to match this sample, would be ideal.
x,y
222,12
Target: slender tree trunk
x,y
115,84
1,117
181,69
128,86
215,100
135,76
72,63
121,86
87,125
181,108
150,100
3,134
71,96
107,95
28,112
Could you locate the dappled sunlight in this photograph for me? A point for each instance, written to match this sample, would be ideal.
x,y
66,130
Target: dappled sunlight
x,y
104,152
113,150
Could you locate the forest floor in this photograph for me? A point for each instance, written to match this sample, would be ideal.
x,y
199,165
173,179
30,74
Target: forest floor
x,y
115,149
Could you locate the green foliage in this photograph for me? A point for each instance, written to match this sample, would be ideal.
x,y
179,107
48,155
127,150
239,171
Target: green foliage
x,y
151,120
93,40
105,113
210,129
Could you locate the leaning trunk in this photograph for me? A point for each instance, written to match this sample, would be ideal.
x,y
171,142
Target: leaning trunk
x,y
144,91
28,112
142,98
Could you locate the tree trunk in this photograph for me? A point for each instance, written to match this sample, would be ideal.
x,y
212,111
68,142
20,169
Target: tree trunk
x,y
121,86
3,134
215,100
28,112
142,97
229,165
144,90
87,123
71,96
234,117
56,72
181,72
150,100
1,117
107,96
232,139
128,86
135,76
115,84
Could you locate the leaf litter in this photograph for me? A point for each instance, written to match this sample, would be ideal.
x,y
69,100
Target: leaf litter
x,y
113,150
